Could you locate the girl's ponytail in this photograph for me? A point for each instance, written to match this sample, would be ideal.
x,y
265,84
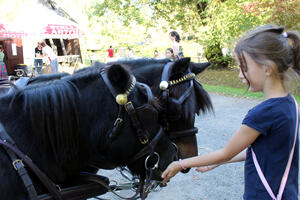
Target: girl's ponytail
x,y
295,45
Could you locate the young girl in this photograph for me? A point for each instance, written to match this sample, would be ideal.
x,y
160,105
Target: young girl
x,y
170,53
269,129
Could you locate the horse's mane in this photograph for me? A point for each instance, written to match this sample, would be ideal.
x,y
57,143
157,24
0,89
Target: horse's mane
x,y
47,77
51,108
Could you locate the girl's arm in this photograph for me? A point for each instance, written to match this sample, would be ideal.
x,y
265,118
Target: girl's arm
x,y
238,158
241,139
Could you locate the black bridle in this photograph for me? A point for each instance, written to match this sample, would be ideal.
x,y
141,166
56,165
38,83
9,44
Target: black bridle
x,y
142,134
173,106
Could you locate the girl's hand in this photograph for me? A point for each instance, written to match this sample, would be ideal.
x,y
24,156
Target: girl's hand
x,y
171,171
206,168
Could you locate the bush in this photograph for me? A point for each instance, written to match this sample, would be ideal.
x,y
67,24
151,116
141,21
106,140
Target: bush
x,y
213,53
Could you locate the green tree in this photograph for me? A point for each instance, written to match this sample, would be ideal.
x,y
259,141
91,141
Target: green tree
x,y
215,24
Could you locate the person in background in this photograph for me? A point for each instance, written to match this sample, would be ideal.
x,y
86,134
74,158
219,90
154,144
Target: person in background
x,y
110,52
156,54
38,59
268,138
48,51
130,53
170,53
180,52
175,38
3,72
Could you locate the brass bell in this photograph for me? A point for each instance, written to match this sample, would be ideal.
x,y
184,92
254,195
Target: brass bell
x,y
163,85
121,99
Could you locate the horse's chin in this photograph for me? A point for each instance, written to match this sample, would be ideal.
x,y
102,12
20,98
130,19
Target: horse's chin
x,y
157,175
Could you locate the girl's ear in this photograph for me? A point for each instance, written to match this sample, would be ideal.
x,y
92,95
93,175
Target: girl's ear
x,y
267,70
270,68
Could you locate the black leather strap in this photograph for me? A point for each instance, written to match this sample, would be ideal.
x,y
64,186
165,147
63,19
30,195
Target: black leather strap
x,y
148,148
18,164
166,72
141,132
9,144
107,82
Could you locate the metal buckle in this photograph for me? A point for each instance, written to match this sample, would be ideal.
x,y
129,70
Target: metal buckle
x,y
118,121
16,162
129,104
144,140
58,187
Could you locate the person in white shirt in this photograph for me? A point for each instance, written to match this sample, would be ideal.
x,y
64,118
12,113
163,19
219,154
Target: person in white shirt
x,y
48,52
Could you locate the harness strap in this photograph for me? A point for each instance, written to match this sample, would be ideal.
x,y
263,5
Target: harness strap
x,y
9,143
51,187
287,169
149,147
183,133
18,165
141,133
117,127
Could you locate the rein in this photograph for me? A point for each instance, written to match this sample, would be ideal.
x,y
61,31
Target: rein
x,y
13,152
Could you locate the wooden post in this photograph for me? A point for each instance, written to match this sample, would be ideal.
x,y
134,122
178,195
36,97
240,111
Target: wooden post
x,y
63,47
53,46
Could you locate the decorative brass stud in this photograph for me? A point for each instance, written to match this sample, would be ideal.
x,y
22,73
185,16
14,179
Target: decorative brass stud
x,y
121,99
184,78
163,85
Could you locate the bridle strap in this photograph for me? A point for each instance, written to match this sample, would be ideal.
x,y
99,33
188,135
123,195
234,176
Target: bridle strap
x,y
148,148
165,98
141,132
107,82
10,144
117,127
149,92
185,94
183,133
166,72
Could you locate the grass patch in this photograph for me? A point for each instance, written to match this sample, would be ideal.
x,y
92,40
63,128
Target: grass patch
x,y
226,82
234,92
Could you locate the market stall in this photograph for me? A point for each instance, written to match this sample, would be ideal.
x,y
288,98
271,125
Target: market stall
x,y
19,36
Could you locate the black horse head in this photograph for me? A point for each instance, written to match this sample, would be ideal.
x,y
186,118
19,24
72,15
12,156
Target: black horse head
x,y
183,98
65,125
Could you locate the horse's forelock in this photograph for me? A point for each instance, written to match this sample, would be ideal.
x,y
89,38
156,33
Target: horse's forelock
x,y
119,76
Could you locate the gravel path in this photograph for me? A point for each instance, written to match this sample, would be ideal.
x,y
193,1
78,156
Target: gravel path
x,y
223,183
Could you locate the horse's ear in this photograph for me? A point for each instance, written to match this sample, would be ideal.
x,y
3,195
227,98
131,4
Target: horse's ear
x,y
199,67
119,76
180,67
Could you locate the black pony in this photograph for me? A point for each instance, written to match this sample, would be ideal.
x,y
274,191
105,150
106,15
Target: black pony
x,y
181,100
66,125
177,118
